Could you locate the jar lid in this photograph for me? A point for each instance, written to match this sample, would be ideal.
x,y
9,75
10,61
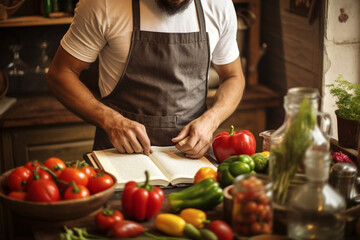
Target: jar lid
x,y
299,93
343,170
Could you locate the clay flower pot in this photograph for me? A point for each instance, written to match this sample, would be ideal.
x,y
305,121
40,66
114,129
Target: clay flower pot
x,y
348,132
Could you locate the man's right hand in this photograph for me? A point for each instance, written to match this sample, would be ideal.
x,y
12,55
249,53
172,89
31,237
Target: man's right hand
x,y
128,136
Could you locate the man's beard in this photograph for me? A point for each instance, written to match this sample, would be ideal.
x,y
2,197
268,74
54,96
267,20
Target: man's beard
x,y
172,8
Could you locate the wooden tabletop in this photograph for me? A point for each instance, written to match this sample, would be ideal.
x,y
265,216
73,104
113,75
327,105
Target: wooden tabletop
x,y
27,229
38,230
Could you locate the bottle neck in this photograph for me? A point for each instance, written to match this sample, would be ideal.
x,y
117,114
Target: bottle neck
x,y
292,107
317,165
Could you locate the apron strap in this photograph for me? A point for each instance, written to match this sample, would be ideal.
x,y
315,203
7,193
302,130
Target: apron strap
x,y
201,18
136,15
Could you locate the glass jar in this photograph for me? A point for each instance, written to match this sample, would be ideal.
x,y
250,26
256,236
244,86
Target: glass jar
x,y
252,212
266,139
316,210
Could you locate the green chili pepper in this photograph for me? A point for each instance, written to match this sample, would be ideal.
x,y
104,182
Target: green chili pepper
x,y
206,234
192,232
204,195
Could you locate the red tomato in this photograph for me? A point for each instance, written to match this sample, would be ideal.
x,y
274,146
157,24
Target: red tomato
x,y
221,229
55,164
76,192
31,165
18,178
89,171
100,182
126,229
69,175
18,195
43,190
40,174
107,218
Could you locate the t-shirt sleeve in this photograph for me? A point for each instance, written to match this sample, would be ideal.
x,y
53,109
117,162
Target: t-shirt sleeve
x,y
226,50
85,37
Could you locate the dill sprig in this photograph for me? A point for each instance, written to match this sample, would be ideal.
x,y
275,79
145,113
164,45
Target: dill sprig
x,y
287,157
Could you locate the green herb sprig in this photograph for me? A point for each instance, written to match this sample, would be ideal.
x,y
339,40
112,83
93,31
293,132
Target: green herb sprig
x,y
287,157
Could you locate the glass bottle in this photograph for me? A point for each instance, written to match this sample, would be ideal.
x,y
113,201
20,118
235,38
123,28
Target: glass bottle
x,y
42,66
304,127
299,132
316,210
16,68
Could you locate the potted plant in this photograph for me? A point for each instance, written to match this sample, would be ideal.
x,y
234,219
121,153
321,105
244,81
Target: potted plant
x,y
347,96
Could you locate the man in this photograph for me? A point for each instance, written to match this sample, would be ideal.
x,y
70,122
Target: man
x,y
154,57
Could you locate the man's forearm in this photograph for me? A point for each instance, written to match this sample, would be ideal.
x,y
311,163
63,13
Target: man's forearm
x,y
226,100
64,83
229,93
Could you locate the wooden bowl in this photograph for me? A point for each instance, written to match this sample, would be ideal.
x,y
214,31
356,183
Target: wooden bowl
x,y
56,211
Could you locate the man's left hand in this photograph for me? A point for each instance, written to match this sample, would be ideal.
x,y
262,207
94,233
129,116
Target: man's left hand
x,y
195,138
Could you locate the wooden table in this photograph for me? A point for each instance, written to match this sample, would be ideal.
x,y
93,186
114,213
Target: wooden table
x,y
26,229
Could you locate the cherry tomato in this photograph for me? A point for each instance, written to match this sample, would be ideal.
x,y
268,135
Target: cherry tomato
x,y
250,218
18,178
38,174
256,228
126,229
18,195
31,165
250,207
107,218
43,190
55,164
100,182
76,192
72,174
89,171
221,229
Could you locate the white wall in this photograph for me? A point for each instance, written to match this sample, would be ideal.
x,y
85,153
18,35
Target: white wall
x,y
341,49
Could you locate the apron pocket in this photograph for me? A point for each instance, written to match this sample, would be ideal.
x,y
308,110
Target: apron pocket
x,y
152,121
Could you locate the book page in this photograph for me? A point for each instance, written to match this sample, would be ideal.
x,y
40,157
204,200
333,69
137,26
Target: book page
x,y
129,167
176,166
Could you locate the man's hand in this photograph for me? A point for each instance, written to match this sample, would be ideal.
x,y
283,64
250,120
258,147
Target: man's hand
x,y
195,138
128,136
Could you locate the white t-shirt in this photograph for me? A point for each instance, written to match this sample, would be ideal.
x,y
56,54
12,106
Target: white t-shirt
x,y
103,28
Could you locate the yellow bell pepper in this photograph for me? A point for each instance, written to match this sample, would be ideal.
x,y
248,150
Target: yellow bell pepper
x,y
203,173
266,153
194,216
170,224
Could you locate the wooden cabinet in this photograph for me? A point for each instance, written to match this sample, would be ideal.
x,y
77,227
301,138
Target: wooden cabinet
x,y
66,141
39,127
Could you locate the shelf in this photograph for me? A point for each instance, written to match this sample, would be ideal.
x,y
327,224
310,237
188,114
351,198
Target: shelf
x,y
34,21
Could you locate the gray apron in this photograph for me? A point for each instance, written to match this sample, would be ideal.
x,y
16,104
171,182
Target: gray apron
x,y
164,83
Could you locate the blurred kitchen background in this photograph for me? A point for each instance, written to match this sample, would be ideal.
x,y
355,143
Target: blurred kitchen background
x,y
284,44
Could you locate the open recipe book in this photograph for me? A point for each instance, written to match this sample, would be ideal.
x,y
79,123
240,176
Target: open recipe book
x,y
166,165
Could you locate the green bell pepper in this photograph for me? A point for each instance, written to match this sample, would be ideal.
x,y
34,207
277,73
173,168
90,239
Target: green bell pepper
x,y
204,195
234,166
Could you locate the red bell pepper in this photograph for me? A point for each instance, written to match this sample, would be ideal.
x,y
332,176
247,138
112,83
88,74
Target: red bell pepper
x,y
232,143
141,202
